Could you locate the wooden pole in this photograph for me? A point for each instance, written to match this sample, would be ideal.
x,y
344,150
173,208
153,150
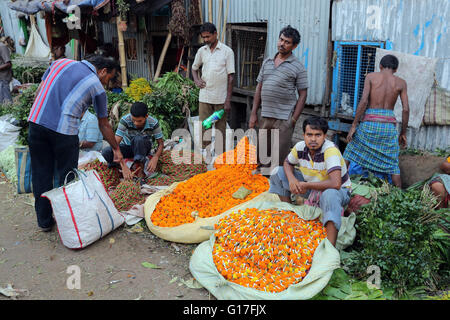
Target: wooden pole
x,y
225,18
181,58
219,19
123,61
163,55
200,10
210,15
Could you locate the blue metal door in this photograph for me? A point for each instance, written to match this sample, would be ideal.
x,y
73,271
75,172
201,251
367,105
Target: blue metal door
x,y
354,60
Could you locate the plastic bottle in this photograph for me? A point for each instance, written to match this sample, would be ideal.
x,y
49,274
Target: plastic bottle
x,y
216,116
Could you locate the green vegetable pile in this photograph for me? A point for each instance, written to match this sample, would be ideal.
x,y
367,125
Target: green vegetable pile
x,y
401,233
28,74
172,98
342,287
20,109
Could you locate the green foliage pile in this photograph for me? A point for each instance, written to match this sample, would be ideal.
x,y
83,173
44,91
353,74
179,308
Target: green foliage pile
x,y
20,109
342,287
401,233
171,97
28,74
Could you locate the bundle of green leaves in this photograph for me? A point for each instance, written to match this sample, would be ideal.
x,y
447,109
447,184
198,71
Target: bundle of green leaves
x,y
395,233
171,96
28,74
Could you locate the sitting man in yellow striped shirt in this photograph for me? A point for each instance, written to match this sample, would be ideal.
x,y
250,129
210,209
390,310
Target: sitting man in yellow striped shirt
x,y
315,165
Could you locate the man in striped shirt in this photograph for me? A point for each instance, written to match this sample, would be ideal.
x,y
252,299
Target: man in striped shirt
x,y
67,89
315,165
134,135
281,92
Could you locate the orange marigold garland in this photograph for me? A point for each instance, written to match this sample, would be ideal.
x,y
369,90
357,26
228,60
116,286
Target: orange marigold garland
x,y
267,250
209,194
242,157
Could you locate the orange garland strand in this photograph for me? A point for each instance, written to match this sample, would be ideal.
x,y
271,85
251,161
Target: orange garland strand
x,y
210,194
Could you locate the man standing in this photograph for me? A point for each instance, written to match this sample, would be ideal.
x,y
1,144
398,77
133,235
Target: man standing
x,y
315,165
279,81
67,89
216,61
374,144
5,73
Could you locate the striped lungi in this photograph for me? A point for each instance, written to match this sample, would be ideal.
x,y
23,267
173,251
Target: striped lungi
x,y
375,143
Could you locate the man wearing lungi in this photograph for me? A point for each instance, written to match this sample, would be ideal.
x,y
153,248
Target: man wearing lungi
x,y
374,143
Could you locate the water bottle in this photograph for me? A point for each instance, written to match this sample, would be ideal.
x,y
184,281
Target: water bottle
x,y
216,116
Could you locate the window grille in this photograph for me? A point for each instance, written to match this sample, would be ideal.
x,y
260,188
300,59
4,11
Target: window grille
x,y
354,60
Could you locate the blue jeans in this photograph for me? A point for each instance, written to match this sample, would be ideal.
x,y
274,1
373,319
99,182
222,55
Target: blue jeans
x,y
332,201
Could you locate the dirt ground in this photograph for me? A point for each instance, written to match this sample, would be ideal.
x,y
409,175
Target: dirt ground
x,y
111,268
415,168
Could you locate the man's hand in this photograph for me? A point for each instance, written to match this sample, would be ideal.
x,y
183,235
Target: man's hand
x,y
227,106
118,157
253,121
402,140
151,167
200,83
297,187
127,174
350,134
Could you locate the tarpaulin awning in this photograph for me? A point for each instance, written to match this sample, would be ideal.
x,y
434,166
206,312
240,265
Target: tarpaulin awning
x,y
34,6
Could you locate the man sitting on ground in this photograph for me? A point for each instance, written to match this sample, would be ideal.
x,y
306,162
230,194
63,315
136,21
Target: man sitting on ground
x,y
134,134
89,134
440,184
315,164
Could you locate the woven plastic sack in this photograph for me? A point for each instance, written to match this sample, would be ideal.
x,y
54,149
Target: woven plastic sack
x,y
325,260
83,210
198,231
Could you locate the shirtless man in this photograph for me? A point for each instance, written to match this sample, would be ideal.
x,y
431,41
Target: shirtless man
x,y
374,144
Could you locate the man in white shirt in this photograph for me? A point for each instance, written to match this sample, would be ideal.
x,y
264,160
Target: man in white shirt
x,y
216,61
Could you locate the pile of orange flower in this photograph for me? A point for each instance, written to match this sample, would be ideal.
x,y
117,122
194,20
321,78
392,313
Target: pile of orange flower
x,y
267,250
207,194
241,157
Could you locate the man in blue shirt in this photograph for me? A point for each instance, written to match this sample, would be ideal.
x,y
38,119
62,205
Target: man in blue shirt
x,y
134,134
67,89
89,134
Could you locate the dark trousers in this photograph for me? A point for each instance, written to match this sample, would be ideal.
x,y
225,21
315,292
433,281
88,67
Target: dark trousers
x,y
140,147
51,153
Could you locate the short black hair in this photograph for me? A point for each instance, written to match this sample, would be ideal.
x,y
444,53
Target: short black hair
x,y
291,33
389,61
208,27
316,123
101,62
139,109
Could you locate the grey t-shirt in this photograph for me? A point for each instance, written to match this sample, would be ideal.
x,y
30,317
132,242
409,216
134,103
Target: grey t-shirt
x,y
280,85
5,75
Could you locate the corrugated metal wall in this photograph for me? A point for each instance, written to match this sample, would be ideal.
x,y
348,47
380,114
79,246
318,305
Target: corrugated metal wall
x,y
419,27
311,18
138,68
